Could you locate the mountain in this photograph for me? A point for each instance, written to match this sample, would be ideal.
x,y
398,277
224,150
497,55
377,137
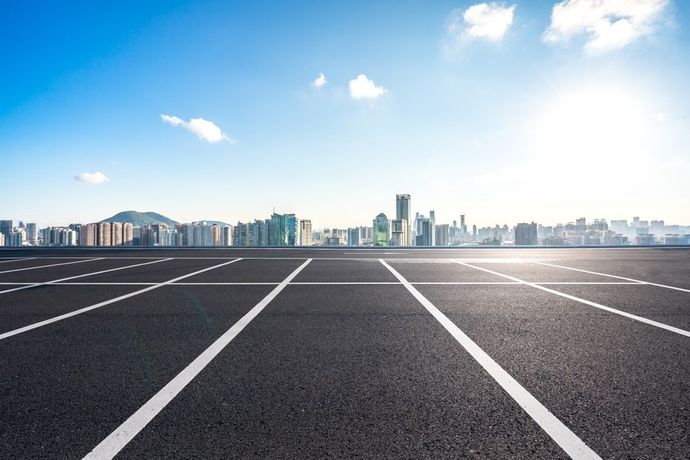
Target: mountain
x,y
140,219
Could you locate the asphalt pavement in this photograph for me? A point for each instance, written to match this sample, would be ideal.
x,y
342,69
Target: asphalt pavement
x,y
480,353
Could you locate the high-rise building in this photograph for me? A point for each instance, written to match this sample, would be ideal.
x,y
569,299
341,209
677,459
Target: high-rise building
x,y
226,234
87,235
381,232
103,234
293,230
353,236
399,232
127,234
116,234
424,231
442,233
305,232
526,234
215,235
6,230
402,212
279,230
32,233
432,219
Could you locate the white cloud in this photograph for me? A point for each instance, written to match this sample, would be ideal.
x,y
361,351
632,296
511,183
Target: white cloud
x,y
320,81
609,24
206,130
92,178
486,21
363,88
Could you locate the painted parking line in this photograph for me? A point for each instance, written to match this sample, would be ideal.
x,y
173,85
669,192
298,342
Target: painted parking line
x,y
61,280
107,302
561,434
118,439
17,260
51,265
584,301
666,286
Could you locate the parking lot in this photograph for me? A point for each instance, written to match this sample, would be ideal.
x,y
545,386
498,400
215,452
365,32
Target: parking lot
x,y
491,353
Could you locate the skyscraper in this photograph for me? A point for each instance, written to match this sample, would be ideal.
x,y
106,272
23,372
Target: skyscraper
x,y
305,232
32,233
424,232
381,233
399,231
526,234
441,237
6,230
402,212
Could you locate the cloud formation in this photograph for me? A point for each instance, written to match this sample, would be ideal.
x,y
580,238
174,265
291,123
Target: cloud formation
x,y
204,129
609,25
484,21
363,88
320,81
92,178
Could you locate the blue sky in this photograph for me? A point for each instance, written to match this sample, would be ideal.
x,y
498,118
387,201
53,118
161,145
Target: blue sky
x,y
508,111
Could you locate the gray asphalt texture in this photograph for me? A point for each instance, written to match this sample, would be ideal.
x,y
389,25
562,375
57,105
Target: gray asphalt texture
x,y
336,366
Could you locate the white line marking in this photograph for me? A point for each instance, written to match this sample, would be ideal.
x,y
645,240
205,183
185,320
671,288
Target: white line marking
x,y
613,276
118,439
465,283
51,265
561,434
61,280
589,283
17,260
584,301
106,302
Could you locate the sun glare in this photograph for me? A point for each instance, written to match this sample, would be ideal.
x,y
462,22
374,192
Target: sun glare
x,y
596,125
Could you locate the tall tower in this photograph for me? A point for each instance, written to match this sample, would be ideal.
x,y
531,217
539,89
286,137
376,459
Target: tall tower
x,y
402,211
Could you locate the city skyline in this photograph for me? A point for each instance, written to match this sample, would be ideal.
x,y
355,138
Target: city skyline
x,y
190,109
131,228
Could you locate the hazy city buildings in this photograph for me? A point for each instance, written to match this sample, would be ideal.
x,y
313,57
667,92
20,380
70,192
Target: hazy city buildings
x,y
403,212
526,234
288,230
382,230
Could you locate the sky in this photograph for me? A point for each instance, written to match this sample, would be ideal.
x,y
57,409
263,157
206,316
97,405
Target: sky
x,y
504,111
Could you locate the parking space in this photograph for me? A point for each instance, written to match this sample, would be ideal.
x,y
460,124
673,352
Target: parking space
x,y
25,307
154,273
659,304
345,271
441,271
343,371
615,382
535,273
661,266
249,271
342,356
66,385
47,269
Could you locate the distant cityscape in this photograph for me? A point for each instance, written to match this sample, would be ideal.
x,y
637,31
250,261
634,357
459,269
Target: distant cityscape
x,y
288,230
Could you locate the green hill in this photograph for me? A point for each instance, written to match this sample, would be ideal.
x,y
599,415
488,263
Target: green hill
x,y
140,219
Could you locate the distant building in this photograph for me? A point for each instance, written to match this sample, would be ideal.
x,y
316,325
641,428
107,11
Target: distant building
x,y
441,236
6,230
226,234
424,231
381,226
402,212
399,231
87,235
526,234
32,233
305,232
353,236
103,234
